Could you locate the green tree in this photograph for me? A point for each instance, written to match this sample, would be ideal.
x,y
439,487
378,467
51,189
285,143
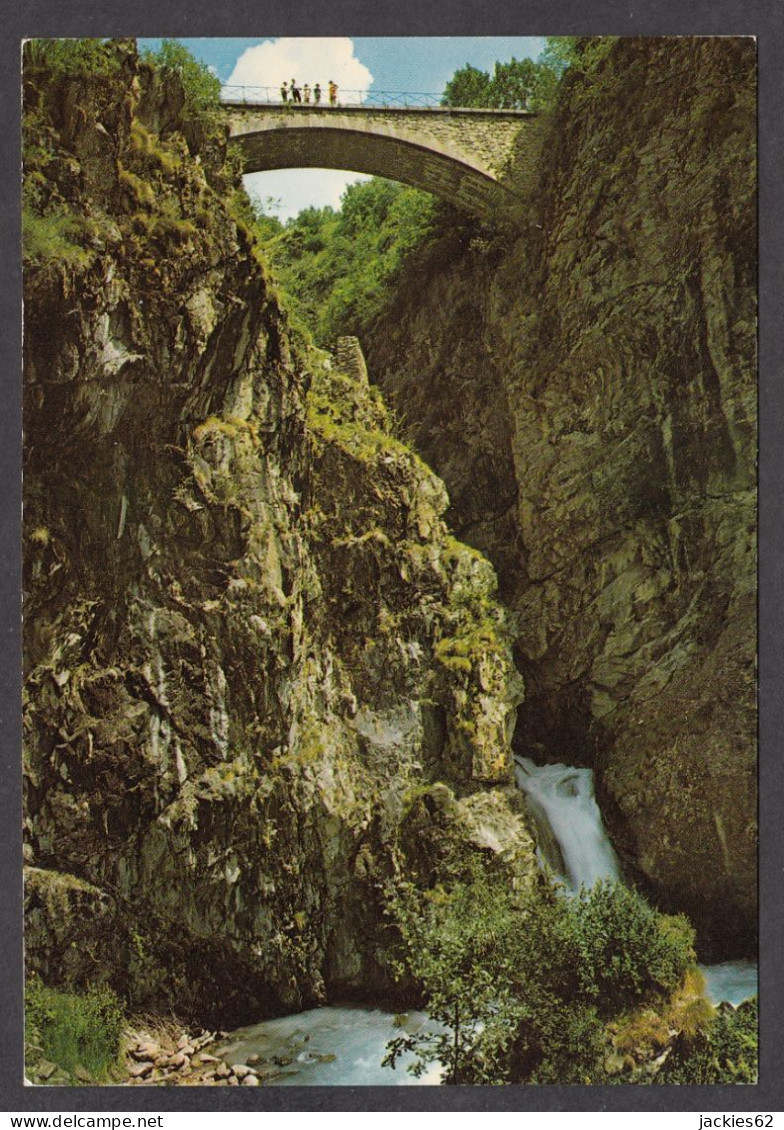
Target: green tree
x,y
467,87
452,947
514,84
522,84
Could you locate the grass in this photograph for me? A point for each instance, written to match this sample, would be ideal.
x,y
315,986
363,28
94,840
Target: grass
x,y
144,142
51,237
75,1030
141,192
645,1030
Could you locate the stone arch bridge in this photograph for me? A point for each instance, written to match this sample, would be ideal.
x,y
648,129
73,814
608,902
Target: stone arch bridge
x,y
461,155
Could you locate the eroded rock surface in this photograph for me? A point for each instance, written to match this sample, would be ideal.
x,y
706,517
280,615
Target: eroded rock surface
x,y
250,641
587,392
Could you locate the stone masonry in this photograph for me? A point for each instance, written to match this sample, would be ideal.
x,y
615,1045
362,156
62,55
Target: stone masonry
x,y
461,155
349,359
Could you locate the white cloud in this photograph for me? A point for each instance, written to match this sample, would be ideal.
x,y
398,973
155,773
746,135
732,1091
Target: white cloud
x,y
307,60
291,190
274,61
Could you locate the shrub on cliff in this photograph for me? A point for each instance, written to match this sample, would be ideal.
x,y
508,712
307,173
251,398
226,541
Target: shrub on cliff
x,y
75,58
201,87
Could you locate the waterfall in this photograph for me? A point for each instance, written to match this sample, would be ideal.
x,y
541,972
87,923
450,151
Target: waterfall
x,y
572,839
573,842
344,1046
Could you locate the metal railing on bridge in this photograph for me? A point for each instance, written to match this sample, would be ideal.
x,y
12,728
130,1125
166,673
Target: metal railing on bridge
x,y
381,99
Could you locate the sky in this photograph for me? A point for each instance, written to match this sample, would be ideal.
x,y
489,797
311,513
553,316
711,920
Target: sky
x,y
415,65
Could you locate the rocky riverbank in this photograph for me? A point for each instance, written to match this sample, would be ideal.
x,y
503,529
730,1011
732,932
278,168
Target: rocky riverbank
x,y
153,1059
165,1054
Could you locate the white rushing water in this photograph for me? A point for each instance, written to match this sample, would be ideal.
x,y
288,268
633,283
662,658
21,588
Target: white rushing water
x,y
572,839
331,1046
733,981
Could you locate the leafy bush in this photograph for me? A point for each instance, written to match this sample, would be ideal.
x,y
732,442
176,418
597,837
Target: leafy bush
x,y
520,984
568,1045
74,1030
626,950
723,1052
488,961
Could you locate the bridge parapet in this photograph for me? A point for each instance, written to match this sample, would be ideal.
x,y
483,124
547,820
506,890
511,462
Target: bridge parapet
x,y
270,95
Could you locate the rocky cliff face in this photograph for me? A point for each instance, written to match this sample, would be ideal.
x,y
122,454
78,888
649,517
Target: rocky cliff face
x,y
251,645
591,406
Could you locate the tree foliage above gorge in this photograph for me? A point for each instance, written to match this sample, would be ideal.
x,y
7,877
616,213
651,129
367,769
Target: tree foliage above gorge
x,y
338,268
342,269
522,84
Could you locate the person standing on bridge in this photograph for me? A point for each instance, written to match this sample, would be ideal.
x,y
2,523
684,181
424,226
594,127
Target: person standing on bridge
x,y
284,92
306,93
296,96
333,93
317,93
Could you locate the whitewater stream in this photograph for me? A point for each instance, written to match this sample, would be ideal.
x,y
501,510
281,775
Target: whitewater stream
x,y
572,839
344,1046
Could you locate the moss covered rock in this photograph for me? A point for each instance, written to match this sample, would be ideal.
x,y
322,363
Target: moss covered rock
x,y
239,595
586,388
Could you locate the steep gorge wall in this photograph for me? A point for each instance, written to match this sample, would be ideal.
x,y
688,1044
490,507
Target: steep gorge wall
x,y
587,392
251,645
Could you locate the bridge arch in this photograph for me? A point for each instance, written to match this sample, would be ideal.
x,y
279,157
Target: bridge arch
x,y
456,155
